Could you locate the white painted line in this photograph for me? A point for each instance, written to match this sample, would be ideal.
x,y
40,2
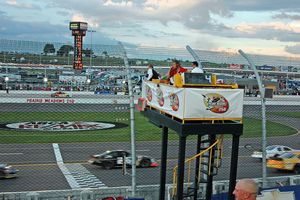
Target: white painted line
x,y
57,154
69,177
8,154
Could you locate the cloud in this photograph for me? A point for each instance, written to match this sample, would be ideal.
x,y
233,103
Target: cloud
x,y
284,15
41,31
289,32
293,49
263,5
17,4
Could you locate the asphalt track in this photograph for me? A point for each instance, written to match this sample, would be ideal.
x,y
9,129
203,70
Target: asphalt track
x,y
39,170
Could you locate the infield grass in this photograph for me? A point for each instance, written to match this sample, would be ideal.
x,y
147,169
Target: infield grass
x,y
145,131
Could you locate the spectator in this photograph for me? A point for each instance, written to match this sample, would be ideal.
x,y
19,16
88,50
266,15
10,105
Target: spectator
x,y
176,68
245,189
196,68
151,73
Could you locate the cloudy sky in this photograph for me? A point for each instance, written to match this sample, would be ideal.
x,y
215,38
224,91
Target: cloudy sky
x,y
256,26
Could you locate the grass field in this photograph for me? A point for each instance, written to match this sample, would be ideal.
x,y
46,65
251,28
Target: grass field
x,y
287,114
145,131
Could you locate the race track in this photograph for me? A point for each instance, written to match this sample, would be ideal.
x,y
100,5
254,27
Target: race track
x,y
39,169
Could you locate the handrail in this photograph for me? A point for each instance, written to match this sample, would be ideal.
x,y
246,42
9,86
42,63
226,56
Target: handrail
x,y
193,158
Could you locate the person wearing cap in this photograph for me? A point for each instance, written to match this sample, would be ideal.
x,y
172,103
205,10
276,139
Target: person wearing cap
x,y
245,189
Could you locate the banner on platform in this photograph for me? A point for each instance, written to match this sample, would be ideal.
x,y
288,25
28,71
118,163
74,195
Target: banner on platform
x,y
195,103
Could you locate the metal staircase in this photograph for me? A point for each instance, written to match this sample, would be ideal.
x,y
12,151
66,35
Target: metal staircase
x,y
206,163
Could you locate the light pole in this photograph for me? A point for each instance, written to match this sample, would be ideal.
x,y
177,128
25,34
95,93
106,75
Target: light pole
x,y
45,79
91,51
88,81
6,79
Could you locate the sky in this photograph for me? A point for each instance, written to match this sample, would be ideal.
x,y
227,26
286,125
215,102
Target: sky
x,y
270,27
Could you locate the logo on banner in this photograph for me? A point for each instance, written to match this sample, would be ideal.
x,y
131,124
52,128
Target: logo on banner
x,y
215,103
61,126
149,93
174,101
160,97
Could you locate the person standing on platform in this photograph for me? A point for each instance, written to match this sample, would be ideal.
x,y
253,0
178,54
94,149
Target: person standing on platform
x,y
196,68
151,73
176,68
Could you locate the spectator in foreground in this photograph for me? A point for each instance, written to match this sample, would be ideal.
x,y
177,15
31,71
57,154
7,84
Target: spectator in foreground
x,y
245,189
196,68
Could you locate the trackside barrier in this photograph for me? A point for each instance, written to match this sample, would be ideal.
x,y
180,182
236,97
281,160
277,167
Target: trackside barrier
x,y
220,187
150,192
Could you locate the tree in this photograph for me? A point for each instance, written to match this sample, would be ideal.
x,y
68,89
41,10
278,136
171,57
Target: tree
x,y
64,50
49,49
88,52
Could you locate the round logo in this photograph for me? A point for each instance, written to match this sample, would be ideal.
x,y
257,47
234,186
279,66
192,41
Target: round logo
x,y
174,101
61,126
160,97
149,93
215,103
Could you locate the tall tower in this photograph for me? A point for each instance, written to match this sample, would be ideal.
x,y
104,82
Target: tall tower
x,y
78,31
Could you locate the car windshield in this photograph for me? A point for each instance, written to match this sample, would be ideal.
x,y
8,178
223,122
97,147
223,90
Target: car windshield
x,y
287,155
269,148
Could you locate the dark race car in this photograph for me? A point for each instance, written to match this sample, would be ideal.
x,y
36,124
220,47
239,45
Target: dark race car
x,y
7,171
113,159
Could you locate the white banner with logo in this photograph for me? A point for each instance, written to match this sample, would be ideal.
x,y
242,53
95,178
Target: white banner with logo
x,y
195,103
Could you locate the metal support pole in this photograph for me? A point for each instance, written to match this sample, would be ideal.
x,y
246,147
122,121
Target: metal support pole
x,y
163,168
132,125
196,185
209,184
195,56
233,165
263,110
180,174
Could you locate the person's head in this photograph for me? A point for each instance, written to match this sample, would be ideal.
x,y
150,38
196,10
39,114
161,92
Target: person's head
x,y
150,66
195,64
245,189
176,63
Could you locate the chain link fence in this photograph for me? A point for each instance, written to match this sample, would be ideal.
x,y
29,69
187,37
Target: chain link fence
x,y
51,128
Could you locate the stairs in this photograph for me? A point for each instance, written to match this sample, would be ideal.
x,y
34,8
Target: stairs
x,y
209,159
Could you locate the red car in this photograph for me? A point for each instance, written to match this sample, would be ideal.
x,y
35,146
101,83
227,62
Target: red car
x,y
60,95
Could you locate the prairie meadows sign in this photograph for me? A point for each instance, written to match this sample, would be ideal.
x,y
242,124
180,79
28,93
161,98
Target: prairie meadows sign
x,y
61,126
50,100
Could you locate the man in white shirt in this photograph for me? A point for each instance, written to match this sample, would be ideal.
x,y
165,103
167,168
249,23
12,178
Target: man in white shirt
x,y
196,68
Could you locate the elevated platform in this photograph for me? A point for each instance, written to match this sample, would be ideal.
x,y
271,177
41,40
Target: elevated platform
x,y
202,127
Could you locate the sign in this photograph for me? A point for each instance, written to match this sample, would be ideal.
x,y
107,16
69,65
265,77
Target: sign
x,y
195,103
61,126
50,100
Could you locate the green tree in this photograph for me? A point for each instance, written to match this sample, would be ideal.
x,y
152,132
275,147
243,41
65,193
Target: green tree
x,y
64,50
49,48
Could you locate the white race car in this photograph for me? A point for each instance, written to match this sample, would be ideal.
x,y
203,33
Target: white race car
x,y
272,151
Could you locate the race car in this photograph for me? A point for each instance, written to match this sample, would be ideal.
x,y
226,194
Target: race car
x,y
60,95
7,171
272,151
116,158
287,161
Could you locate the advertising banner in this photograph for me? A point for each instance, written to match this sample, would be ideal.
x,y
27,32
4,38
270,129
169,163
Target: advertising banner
x,y
195,103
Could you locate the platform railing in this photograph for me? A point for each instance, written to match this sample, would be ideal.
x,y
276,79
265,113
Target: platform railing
x,y
189,161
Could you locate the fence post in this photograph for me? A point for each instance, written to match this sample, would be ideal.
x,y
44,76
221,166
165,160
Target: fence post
x,y
263,111
132,125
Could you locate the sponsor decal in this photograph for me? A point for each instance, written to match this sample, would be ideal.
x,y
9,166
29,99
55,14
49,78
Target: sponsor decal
x,y
50,100
174,101
160,97
61,126
215,103
149,93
